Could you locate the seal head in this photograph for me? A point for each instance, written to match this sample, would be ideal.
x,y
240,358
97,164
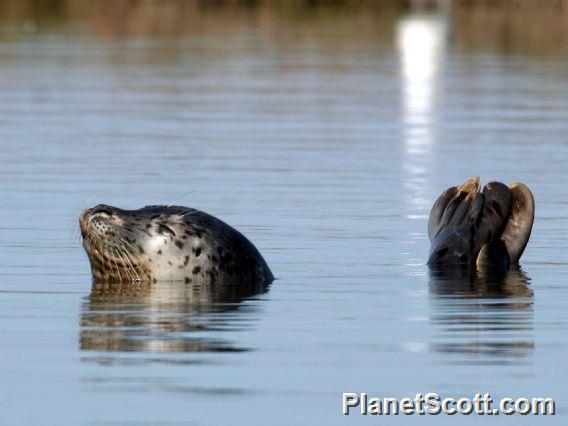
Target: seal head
x,y
168,243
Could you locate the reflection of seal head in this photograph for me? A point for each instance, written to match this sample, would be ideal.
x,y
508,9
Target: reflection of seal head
x,y
168,243
490,227
165,317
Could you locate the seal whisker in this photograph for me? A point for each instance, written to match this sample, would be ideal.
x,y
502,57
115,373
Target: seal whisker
x,y
76,233
131,264
103,258
132,248
188,212
135,260
129,260
101,254
126,266
117,269
177,196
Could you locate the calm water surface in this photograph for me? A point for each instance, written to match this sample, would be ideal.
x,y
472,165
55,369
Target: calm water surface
x,y
325,138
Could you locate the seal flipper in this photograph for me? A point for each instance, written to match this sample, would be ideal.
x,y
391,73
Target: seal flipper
x,y
493,255
451,241
458,206
494,215
435,220
518,229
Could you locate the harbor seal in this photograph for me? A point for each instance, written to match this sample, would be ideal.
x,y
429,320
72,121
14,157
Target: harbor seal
x,y
489,227
168,243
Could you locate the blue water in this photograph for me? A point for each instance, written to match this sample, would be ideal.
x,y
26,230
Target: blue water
x,y
326,147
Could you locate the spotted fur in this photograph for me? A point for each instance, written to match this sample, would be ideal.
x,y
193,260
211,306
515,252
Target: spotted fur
x,y
168,243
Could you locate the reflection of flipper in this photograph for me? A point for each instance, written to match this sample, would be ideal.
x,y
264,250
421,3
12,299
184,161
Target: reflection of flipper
x,y
481,282
481,317
463,220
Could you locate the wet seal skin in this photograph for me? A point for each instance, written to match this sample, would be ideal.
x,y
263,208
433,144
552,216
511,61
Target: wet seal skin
x,y
168,243
483,228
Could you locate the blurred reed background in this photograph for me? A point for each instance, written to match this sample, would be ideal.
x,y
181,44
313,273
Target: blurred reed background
x,y
508,26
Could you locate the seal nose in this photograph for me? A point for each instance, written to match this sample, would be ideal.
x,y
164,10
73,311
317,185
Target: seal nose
x,y
92,216
83,219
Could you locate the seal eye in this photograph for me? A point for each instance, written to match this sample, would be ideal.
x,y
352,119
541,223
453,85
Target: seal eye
x,y
163,229
103,212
